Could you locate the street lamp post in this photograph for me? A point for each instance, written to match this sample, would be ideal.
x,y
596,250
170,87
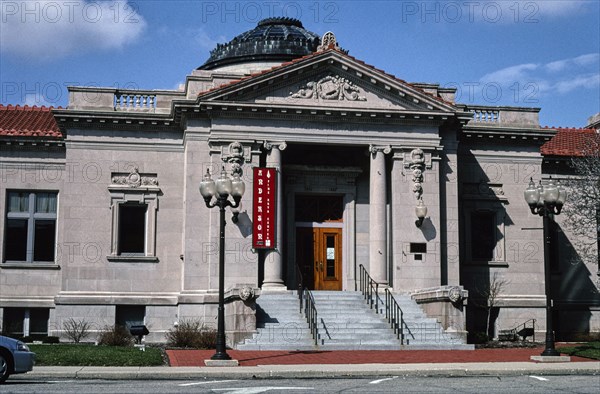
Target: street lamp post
x,y
221,189
546,201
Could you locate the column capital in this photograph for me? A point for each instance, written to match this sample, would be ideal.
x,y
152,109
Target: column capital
x,y
281,145
386,149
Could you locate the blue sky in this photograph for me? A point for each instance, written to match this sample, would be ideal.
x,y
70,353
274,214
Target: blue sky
x,y
518,53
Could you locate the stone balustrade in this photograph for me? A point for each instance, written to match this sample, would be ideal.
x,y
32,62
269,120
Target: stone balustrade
x,y
135,102
484,116
119,100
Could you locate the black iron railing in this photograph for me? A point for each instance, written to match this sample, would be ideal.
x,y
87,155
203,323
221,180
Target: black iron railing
x,y
300,281
393,313
307,306
369,289
310,311
524,330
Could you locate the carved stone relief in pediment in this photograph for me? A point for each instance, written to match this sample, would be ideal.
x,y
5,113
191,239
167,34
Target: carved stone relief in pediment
x,y
330,89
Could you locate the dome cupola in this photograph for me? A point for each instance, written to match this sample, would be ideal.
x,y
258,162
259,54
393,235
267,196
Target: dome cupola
x,y
273,40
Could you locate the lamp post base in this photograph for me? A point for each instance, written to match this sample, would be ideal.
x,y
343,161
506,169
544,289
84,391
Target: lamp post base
x,y
221,363
550,352
551,359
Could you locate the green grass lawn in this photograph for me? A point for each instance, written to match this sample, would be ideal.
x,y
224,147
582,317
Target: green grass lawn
x,y
589,350
90,355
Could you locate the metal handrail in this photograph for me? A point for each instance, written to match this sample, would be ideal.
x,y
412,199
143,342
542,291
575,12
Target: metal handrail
x,y
307,301
310,311
369,288
300,281
515,330
394,315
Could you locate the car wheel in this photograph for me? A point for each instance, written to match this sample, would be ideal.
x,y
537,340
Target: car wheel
x,y
3,368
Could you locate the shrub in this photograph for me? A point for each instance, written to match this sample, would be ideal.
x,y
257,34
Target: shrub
x,y
192,334
76,330
115,336
51,339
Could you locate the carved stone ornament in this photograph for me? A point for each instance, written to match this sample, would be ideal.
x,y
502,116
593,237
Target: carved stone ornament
x,y
454,294
417,165
246,293
331,87
134,179
328,41
235,157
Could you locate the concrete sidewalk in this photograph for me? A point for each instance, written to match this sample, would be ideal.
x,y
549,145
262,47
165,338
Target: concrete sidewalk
x,y
315,371
189,364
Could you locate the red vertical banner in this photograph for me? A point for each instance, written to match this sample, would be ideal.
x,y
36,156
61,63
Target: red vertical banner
x,y
263,208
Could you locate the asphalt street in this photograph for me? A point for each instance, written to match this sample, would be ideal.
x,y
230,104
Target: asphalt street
x,y
392,384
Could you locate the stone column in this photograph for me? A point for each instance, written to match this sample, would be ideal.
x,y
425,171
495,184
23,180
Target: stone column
x,y
377,215
273,278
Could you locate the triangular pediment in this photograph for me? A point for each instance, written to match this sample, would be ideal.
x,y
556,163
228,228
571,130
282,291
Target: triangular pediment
x,y
329,79
332,89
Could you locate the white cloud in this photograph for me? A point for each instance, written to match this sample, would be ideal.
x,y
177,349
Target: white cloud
x,y
524,84
578,82
47,29
510,74
582,60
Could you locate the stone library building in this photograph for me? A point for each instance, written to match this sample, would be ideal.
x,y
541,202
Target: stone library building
x,y
364,193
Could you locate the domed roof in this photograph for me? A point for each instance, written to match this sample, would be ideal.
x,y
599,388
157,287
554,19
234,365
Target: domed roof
x,y
273,39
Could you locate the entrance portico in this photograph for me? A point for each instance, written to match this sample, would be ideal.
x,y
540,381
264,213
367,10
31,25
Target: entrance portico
x,y
321,219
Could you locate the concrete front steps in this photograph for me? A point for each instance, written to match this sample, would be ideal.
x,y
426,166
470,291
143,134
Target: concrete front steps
x,y
279,324
345,323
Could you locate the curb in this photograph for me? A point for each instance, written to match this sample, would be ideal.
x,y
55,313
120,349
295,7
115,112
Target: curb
x,y
314,371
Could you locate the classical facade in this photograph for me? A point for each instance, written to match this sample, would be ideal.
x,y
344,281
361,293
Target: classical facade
x,y
102,219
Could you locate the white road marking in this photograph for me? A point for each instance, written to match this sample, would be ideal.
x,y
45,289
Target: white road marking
x,y
256,390
208,382
538,378
383,380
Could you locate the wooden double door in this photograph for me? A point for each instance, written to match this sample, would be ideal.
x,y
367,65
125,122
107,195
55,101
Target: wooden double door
x,y
319,257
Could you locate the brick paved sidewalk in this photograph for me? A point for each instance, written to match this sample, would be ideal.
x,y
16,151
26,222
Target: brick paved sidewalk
x,y
195,358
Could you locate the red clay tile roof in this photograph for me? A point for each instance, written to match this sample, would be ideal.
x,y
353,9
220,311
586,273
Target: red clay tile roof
x,y
572,142
17,121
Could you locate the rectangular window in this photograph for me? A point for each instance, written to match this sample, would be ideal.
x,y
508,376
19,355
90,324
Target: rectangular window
x,y
30,232
38,322
13,319
132,228
483,235
130,315
29,322
134,205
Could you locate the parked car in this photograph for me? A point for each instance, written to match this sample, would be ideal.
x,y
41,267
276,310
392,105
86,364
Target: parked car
x,y
15,357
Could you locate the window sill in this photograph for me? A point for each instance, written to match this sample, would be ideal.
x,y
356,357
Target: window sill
x,y
37,266
132,259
